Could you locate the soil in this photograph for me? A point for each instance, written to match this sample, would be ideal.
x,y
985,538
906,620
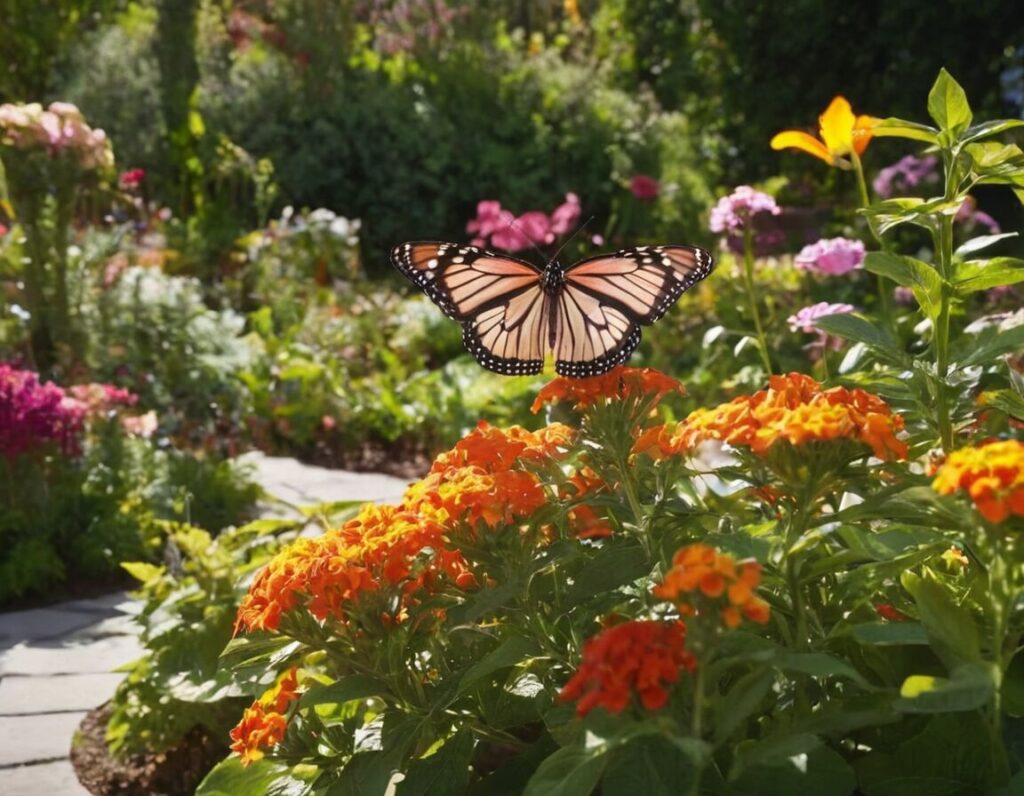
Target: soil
x,y
176,772
402,461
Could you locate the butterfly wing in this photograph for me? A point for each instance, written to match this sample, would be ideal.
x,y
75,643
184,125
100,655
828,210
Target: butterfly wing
x,y
605,299
498,299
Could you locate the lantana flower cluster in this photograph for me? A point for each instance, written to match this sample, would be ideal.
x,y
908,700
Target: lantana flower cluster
x,y
992,475
795,409
618,384
58,130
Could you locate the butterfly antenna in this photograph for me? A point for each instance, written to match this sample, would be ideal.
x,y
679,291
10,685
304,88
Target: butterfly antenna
x,y
512,223
569,240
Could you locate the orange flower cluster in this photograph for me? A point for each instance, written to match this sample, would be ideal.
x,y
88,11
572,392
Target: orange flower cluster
x,y
263,724
617,384
794,408
991,473
473,495
636,657
585,521
331,571
698,569
496,449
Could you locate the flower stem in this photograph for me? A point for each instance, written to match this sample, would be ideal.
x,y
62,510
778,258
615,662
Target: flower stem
x,y
884,285
941,332
748,278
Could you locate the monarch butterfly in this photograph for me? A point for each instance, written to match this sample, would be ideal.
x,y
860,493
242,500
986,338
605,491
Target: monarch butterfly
x,y
588,314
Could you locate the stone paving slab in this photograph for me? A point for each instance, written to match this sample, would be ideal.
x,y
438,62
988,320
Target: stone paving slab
x,y
41,623
45,737
62,657
305,483
43,779
115,604
57,693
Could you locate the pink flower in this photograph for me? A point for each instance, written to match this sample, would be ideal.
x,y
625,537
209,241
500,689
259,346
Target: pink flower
x,y
644,188
3,230
733,212
490,218
971,217
835,256
142,426
99,399
565,216
530,229
903,295
806,321
33,414
597,240
132,178
328,422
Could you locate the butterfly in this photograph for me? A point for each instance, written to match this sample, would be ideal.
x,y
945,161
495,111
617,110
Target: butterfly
x,y
588,314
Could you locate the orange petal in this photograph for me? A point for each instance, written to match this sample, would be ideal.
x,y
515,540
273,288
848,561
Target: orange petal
x,y
862,132
837,127
797,139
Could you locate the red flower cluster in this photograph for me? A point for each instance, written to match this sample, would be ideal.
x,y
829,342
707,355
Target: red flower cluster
x,y
637,657
263,724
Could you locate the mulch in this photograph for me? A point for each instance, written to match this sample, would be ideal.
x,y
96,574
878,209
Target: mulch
x,y
176,772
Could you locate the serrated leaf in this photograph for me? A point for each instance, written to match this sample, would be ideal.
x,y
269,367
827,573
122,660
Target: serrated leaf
x,y
976,275
948,106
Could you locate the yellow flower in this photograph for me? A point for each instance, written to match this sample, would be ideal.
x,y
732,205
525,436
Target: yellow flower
x,y
841,133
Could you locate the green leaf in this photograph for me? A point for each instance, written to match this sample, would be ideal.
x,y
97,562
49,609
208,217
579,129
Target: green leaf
x,y
1006,341
985,129
976,275
652,766
255,647
820,772
366,774
613,566
142,571
571,771
356,686
996,162
773,750
969,687
1006,401
909,272
231,778
740,701
981,242
444,773
948,106
886,634
861,330
900,128
909,210
950,627
818,664
512,651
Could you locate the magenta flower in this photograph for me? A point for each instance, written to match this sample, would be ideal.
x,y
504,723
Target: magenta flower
x,y
33,414
490,218
565,216
806,321
644,188
833,256
734,212
530,229
132,178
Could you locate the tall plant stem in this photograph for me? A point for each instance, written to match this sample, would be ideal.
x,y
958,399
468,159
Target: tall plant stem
x,y
748,278
941,333
885,287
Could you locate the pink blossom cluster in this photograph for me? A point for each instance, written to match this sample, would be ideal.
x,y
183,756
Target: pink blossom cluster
x,y
644,187
534,228
806,320
34,414
58,130
971,217
832,256
733,212
906,174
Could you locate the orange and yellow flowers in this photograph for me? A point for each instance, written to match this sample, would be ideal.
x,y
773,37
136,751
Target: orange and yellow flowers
x,y
328,574
496,449
618,383
841,134
991,473
794,409
264,723
700,574
636,657
472,495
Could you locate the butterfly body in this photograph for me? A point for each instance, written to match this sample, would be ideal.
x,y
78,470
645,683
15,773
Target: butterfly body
x,y
587,314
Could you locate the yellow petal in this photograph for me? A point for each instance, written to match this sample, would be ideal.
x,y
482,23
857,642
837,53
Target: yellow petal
x,y
797,139
837,127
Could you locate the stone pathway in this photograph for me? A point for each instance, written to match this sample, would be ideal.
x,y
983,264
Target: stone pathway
x,y
57,663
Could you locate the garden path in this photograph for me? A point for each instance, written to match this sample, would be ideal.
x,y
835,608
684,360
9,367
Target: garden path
x,y
56,663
